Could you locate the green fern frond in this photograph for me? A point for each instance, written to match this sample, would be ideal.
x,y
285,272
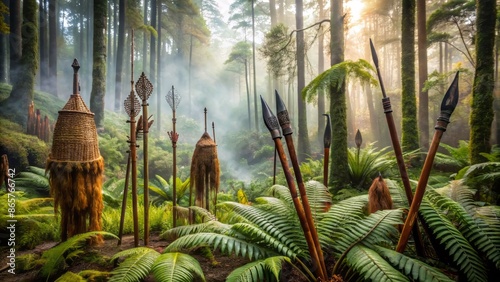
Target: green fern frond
x,y
349,209
70,277
281,244
262,270
368,264
136,266
398,194
460,251
226,243
477,232
319,197
177,267
203,213
336,76
281,192
55,258
460,193
377,228
415,269
94,275
209,226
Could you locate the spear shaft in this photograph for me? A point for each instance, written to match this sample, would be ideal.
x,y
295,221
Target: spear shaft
x,y
272,124
327,140
124,201
386,103
448,105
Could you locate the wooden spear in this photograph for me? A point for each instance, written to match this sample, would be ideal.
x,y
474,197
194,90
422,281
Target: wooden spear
x,y
386,103
286,127
173,100
448,105
124,201
327,141
272,125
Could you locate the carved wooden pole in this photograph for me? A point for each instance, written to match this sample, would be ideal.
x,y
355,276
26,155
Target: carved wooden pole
x,y
327,141
173,100
124,200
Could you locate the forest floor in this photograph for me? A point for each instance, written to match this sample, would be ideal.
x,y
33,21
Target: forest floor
x,y
215,269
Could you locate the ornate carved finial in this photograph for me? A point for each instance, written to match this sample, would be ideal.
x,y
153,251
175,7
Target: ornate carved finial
x,y
76,83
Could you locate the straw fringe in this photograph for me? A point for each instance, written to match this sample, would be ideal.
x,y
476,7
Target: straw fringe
x,y
76,189
205,171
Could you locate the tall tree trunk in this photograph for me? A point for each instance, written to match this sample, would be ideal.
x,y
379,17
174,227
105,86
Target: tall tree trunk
x,y
481,115
119,55
423,97
152,46
409,101
273,13
247,84
321,69
15,39
304,147
339,170
99,62
53,17
158,73
23,84
43,45
145,37
254,71
4,53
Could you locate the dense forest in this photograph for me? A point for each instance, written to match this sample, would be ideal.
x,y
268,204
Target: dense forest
x,y
341,140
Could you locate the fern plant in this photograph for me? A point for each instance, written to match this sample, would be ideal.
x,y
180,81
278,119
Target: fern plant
x,y
366,163
162,190
141,261
34,182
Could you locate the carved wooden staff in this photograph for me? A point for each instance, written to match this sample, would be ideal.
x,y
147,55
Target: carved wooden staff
x,y
133,107
144,88
286,128
272,125
327,141
173,100
448,105
386,103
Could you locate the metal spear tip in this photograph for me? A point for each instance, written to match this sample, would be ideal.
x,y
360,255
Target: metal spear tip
x,y
327,138
358,139
374,53
283,117
75,65
270,120
450,100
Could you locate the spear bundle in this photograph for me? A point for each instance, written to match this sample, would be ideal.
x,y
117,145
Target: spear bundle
x,y
75,167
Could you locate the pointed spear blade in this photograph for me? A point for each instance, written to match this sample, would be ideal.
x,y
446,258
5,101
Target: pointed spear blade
x,y
450,99
282,113
358,139
270,120
374,54
327,138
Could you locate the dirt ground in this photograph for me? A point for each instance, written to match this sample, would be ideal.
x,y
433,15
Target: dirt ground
x,y
214,271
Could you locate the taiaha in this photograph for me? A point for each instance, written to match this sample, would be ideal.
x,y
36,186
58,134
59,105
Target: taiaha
x,y
286,127
272,125
386,103
133,107
327,141
144,88
448,105
76,167
173,100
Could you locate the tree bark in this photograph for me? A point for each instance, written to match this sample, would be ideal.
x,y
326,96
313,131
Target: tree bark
x,y
99,62
321,69
304,147
409,101
423,97
339,170
481,116
119,55
53,17
23,85
15,39
43,45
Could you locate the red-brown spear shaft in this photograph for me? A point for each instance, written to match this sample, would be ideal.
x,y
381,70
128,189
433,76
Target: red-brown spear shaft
x,y
272,124
448,105
327,141
124,201
285,124
386,103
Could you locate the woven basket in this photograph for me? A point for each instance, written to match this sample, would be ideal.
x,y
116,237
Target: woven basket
x,y
75,134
